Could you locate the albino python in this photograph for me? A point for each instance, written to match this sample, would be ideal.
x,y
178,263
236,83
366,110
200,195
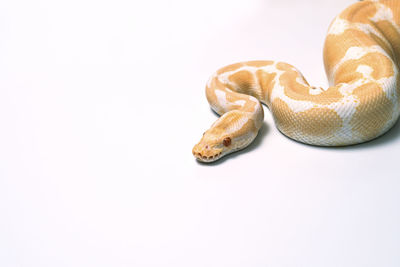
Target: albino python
x,y
361,58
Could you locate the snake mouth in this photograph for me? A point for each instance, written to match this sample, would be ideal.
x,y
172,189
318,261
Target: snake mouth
x,y
203,158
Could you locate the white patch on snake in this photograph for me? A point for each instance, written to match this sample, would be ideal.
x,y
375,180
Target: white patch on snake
x,y
338,26
240,102
252,98
365,70
315,90
383,13
389,85
366,28
348,88
270,68
301,80
237,125
354,52
345,109
244,140
221,97
209,82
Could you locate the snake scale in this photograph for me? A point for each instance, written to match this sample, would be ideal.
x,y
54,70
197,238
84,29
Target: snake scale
x,y
361,58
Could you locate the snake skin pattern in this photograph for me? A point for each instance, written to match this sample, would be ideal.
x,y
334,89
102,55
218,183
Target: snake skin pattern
x,y
361,57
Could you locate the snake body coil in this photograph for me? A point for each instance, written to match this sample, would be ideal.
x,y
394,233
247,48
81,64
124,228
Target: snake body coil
x,y
361,56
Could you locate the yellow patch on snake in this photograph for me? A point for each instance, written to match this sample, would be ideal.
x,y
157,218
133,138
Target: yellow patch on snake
x,y
336,46
233,122
359,12
393,35
259,63
380,64
284,66
386,47
223,100
301,91
231,67
244,82
266,82
373,111
314,122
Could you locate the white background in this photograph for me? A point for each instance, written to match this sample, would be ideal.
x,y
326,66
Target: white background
x,y
101,103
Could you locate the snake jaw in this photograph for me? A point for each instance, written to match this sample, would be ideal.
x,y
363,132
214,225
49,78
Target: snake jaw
x,y
205,153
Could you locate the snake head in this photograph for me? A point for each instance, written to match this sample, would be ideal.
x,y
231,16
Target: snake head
x,y
231,132
211,147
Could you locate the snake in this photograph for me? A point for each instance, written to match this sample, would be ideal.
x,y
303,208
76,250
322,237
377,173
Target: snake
x,y
361,56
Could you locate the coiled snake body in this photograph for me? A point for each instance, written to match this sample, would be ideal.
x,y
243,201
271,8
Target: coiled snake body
x,y
361,57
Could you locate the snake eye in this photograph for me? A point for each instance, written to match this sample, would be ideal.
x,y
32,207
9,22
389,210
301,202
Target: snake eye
x,y
227,141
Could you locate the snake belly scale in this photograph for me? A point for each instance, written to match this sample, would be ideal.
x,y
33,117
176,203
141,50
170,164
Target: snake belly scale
x,y
361,57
